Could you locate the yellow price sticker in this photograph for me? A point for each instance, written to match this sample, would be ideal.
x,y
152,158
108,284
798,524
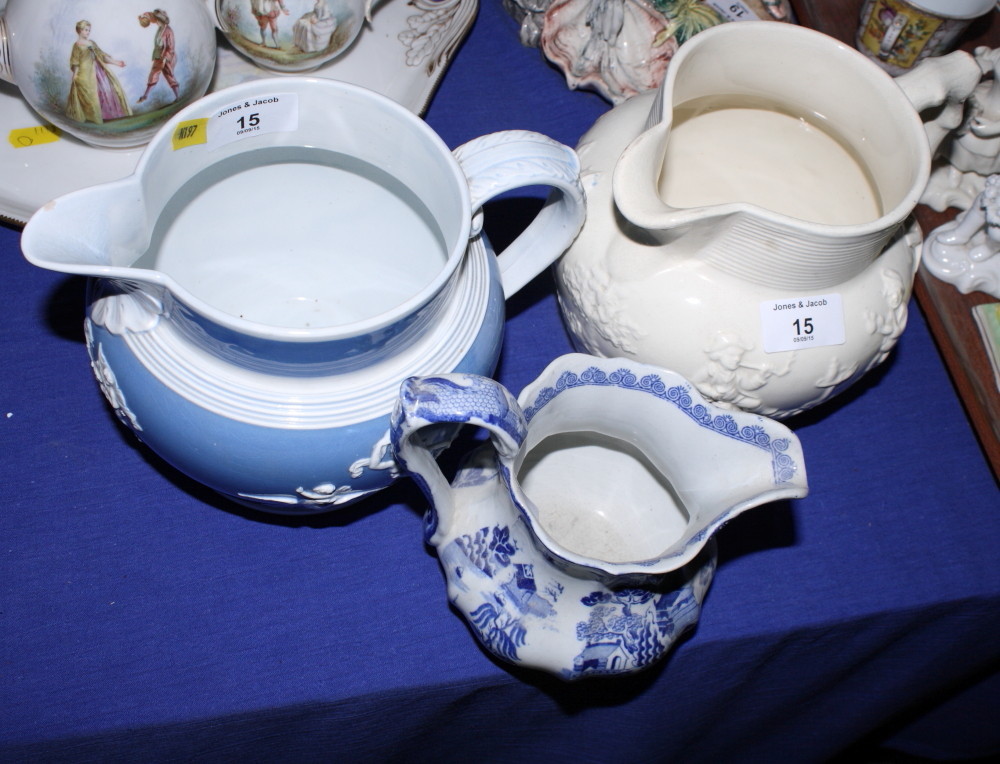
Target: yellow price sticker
x,y
190,133
24,137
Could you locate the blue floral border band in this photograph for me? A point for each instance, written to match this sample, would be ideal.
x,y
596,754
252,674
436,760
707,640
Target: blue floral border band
x,y
680,396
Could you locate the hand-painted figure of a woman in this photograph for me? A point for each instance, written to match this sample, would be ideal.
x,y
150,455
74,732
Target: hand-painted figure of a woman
x,y
313,30
164,52
95,95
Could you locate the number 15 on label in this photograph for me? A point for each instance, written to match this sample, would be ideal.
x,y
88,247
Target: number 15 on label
x,y
797,323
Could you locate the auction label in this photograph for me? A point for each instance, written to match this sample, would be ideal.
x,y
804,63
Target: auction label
x,y
190,133
273,113
732,10
33,136
796,323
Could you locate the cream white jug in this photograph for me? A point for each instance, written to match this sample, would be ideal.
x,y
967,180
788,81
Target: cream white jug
x,y
747,223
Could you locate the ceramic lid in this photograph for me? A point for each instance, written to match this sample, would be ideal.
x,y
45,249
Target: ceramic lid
x,y
956,9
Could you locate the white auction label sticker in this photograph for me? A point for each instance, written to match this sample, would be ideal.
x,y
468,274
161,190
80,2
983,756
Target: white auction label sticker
x,y
275,113
733,10
272,113
796,323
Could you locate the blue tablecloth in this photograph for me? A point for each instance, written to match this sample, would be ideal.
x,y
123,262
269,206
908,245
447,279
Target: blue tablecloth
x,y
143,619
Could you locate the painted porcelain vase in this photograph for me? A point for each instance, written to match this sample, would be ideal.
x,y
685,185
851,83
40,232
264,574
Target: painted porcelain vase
x,y
257,340
748,224
579,539
109,72
292,35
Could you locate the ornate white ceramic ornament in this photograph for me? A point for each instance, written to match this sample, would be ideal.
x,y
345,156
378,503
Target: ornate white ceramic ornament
x,y
263,354
972,151
747,224
622,47
579,540
108,73
430,36
964,251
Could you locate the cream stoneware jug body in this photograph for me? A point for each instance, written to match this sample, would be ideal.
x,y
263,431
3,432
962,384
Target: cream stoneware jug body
x,y
109,72
748,224
291,35
286,253
579,539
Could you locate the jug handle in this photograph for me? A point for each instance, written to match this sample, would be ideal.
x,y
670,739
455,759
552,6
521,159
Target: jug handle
x,y
428,415
941,83
512,159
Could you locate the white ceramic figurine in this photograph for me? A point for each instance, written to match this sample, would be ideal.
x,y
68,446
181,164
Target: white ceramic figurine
x,y
972,151
963,251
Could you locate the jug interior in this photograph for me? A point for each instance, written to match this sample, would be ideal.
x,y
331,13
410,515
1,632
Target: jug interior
x,y
791,121
601,497
297,237
732,148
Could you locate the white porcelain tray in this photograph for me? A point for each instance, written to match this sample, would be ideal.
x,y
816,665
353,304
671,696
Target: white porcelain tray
x,y
402,54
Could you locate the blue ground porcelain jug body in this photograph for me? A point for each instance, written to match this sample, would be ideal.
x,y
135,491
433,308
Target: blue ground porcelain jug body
x,y
579,539
256,341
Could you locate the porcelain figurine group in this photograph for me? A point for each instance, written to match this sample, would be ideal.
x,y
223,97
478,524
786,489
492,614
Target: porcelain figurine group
x,y
301,370
620,48
966,176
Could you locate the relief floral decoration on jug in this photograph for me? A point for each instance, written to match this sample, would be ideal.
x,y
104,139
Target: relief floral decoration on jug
x,y
107,381
123,309
321,496
623,47
327,495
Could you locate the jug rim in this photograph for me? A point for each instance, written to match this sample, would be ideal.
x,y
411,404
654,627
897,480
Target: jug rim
x,y
207,105
630,195
774,440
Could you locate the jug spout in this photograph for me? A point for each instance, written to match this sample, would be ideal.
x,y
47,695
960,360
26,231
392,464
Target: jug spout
x,y
636,184
794,165
99,231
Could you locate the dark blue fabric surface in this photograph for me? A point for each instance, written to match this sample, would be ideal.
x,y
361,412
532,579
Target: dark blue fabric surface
x,y
142,618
